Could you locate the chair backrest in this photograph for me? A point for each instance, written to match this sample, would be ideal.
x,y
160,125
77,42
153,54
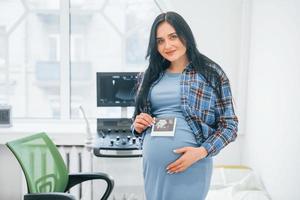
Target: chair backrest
x,y
42,164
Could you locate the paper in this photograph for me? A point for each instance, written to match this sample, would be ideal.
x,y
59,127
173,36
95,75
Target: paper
x,y
164,127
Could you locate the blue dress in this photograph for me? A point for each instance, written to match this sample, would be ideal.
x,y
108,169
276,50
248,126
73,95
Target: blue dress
x,y
193,183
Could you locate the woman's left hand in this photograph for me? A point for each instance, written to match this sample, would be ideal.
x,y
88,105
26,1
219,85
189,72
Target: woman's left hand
x,y
189,156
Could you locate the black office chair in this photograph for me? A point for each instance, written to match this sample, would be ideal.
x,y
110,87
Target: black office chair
x,y
45,171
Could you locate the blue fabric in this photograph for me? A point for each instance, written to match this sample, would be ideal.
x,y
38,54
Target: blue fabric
x,y
210,116
193,183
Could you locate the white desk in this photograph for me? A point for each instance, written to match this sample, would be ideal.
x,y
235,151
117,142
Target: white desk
x,y
61,132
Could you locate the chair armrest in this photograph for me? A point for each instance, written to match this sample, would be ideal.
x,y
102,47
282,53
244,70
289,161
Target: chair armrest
x,y
49,196
75,179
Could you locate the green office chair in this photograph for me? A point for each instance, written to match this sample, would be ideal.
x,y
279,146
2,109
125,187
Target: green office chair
x,y
45,171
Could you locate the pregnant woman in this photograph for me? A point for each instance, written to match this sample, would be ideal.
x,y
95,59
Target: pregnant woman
x,y
181,82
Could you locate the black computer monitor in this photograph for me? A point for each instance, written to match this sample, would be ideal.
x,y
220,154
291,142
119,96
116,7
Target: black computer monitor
x,y
116,88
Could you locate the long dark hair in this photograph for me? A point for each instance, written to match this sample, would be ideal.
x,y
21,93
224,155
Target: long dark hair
x,y
211,71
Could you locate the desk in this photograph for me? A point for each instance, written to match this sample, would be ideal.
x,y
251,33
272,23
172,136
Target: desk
x,y
61,132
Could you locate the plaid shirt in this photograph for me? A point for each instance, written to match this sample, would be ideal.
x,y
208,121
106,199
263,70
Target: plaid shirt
x,y
211,118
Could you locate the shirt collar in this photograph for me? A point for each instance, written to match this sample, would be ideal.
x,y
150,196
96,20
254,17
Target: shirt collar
x,y
189,67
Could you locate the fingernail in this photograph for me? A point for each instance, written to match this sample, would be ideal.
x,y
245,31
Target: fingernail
x,y
174,150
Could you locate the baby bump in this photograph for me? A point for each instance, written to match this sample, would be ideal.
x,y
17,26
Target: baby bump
x,y
158,150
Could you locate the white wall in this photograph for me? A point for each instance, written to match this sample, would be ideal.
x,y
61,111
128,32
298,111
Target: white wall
x,y
271,144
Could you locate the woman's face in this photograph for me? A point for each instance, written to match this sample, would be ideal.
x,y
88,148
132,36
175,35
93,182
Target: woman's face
x,y
168,43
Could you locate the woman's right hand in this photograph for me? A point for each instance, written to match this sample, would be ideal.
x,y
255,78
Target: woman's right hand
x,y
143,121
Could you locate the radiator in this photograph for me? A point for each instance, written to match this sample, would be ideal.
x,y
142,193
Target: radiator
x,y
78,159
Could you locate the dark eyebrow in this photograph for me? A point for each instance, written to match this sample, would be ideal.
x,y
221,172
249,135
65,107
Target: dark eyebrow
x,y
168,35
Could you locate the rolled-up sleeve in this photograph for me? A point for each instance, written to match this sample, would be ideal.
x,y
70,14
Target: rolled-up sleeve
x,y
227,122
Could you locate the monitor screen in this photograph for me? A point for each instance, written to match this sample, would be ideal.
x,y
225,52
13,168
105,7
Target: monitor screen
x,y
116,88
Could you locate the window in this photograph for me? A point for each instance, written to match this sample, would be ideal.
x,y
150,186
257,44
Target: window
x,y
104,36
29,58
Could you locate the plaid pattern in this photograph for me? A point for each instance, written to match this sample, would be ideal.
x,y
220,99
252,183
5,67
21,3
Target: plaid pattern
x,y
211,117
